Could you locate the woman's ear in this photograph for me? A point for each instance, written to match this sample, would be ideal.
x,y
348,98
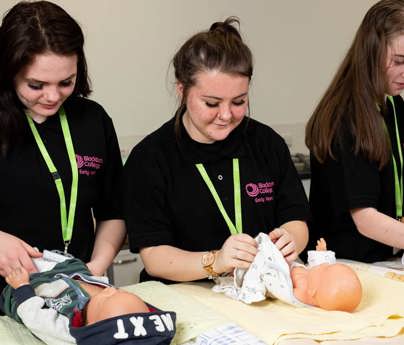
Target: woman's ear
x,y
179,88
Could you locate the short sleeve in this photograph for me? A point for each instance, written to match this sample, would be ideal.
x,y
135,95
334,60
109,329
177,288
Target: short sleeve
x,y
109,203
292,203
145,199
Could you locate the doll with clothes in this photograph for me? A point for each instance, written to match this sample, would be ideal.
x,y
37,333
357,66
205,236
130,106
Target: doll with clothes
x,y
64,304
323,283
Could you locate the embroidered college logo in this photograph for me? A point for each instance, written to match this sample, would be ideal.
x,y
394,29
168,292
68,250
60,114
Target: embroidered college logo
x,y
261,191
88,165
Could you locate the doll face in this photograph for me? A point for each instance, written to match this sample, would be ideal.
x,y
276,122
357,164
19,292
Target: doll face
x,y
300,282
395,66
44,85
111,302
307,281
216,105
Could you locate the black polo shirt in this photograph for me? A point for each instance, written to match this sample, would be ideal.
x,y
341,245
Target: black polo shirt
x,y
348,182
29,203
168,202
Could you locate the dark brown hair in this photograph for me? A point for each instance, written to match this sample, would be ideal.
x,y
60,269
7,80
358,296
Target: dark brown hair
x,y
29,29
220,48
358,87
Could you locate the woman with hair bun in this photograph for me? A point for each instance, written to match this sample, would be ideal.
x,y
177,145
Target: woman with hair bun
x,y
60,162
202,186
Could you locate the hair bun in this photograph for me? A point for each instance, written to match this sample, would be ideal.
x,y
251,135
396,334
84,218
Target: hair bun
x,y
226,27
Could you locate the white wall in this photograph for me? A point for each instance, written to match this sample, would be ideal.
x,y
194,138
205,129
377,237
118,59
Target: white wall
x,y
297,47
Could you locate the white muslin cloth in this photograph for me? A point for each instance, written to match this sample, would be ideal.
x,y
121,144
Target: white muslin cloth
x,y
267,276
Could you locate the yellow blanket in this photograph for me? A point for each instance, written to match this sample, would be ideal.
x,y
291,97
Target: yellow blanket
x,y
13,333
381,313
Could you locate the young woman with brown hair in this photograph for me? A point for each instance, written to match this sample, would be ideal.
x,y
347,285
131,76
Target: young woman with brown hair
x,y
60,162
355,139
209,180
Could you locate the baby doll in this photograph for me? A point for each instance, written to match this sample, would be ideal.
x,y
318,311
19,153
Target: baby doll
x,y
328,285
65,304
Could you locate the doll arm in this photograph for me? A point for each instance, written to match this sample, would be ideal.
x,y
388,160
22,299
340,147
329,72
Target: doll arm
x,y
321,245
321,255
46,323
18,277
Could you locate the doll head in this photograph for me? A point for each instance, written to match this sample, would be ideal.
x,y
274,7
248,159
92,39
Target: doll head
x,y
112,302
327,286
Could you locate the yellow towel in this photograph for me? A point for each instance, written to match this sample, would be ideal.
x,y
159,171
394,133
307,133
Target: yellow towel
x,y
14,333
381,313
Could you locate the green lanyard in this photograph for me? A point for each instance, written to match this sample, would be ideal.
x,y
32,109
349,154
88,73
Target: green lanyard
x,y
66,221
238,229
398,185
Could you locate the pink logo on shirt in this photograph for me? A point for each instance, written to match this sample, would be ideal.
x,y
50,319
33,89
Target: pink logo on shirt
x,y
252,190
88,165
261,191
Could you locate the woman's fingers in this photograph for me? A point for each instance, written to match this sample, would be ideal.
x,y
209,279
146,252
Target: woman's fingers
x,y
246,248
15,253
243,255
26,262
238,251
285,242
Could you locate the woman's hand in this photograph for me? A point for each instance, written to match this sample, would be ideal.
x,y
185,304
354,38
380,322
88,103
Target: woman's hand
x,y
238,251
285,242
16,253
